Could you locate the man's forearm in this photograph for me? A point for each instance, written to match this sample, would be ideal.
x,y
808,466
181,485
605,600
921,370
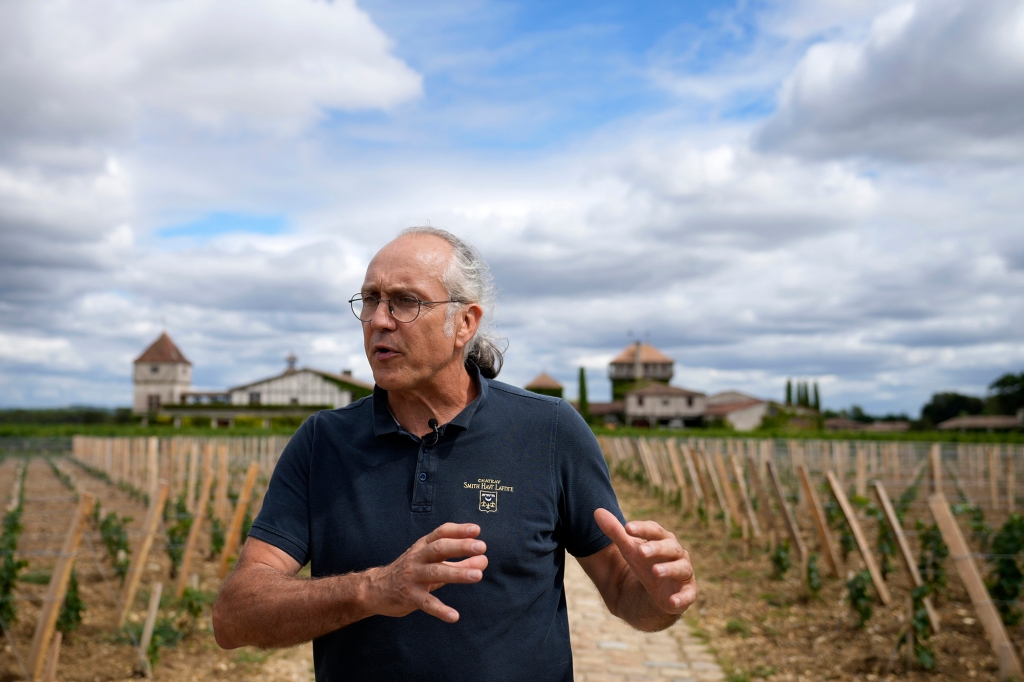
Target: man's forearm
x,y
636,606
262,606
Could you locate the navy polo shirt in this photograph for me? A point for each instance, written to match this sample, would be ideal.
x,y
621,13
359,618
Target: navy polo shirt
x,y
353,490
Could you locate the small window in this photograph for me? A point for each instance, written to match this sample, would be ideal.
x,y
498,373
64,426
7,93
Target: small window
x,y
153,369
153,403
254,398
689,401
294,401
665,402
640,400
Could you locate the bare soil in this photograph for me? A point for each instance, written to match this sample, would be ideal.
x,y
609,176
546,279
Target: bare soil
x,y
762,627
95,652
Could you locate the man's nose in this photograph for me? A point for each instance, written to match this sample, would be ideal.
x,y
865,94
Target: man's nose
x,y
382,317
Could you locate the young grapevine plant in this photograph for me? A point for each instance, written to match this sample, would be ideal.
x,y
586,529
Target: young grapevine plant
x,y
1006,580
114,530
857,593
177,532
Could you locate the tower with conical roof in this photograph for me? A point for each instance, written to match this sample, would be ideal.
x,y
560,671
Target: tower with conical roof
x,y
161,374
545,384
639,365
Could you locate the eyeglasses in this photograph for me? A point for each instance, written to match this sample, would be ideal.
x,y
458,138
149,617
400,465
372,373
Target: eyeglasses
x,y
403,307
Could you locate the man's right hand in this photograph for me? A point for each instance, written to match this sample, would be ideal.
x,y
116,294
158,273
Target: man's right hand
x,y
405,585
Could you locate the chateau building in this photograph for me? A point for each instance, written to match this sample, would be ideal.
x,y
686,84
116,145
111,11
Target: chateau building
x,y
163,379
162,374
545,384
636,366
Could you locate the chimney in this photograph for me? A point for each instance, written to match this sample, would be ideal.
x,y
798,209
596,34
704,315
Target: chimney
x,y
347,373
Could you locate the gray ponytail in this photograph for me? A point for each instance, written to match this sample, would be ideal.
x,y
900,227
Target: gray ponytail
x,y
468,278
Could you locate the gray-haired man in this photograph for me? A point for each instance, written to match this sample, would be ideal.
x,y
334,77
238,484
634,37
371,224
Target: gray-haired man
x,y
435,514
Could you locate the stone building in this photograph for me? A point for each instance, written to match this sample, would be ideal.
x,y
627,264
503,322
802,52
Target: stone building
x,y
743,412
638,365
659,404
303,386
545,384
161,375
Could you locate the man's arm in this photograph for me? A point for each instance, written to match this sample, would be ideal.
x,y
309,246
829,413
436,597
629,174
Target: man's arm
x,y
644,576
264,603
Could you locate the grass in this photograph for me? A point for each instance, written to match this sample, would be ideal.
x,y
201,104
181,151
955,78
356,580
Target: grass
x,y
35,578
252,655
737,626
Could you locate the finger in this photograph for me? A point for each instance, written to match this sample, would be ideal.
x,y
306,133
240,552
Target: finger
x,y
438,609
647,530
445,573
673,570
453,530
446,548
684,598
479,562
611,527
661,550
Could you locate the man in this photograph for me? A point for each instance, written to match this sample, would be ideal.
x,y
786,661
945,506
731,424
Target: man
x,y
435,514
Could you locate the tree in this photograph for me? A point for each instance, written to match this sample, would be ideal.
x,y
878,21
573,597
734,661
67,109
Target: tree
x,y
584,404
1007,393
789,391
817,398
945,406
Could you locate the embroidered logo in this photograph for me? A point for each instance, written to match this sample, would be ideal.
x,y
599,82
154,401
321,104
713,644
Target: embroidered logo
x,y
489,489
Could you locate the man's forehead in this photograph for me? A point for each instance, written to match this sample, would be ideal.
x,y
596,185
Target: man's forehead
x,y
409,260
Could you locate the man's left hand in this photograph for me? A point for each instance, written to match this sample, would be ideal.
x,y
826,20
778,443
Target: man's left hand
x,y
656,558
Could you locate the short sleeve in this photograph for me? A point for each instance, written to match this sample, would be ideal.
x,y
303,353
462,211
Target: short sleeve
x,y
583,483
283,520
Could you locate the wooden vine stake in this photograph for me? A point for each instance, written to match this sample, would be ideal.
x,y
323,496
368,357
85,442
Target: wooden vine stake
x,y
699,485
828,548
141,554
53,658
905,553
58,587
858,535
730,496
220,498
716,484
763,506
748,508
685,499
1009,664
235,529
197,523
147,629
787,515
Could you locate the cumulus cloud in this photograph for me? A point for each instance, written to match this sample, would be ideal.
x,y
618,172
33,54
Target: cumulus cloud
x,y
931,79
84,72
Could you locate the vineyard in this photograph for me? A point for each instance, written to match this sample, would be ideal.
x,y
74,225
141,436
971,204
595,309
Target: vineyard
x,y
111,555
815,559
842,560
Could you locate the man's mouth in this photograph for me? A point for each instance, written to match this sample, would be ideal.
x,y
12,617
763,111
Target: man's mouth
x,y
382,352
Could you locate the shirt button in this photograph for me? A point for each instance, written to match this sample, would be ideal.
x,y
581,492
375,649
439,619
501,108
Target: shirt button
x,y
423,476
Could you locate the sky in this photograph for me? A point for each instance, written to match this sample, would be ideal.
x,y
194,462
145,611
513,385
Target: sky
x,y
815,189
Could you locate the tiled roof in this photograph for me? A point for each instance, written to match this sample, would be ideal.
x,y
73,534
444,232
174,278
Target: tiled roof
x,y
648,353
981,421
543,380
731,398
601,409
721,410
162,350
346,378
662,389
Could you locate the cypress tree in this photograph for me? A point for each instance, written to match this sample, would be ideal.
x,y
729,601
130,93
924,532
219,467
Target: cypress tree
x,y
817,397
789,391
584,404
806,396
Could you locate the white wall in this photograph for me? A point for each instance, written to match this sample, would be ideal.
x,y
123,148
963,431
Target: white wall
x,y
165,379
749,418
664,407
301,387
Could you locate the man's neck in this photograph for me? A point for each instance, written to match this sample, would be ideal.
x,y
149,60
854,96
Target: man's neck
x,y
443,399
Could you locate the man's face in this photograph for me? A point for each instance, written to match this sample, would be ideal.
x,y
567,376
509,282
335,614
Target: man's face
x,y
405,355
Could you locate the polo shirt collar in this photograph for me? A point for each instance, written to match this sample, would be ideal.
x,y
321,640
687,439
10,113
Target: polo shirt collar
x,y
384,422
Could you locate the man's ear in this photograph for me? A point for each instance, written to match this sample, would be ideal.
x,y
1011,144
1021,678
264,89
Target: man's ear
x,y
468,324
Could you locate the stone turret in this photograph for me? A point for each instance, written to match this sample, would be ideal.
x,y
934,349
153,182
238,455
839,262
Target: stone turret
x,y
161,374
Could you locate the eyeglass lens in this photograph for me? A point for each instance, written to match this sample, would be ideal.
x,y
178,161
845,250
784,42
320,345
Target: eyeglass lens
x,y
404,308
